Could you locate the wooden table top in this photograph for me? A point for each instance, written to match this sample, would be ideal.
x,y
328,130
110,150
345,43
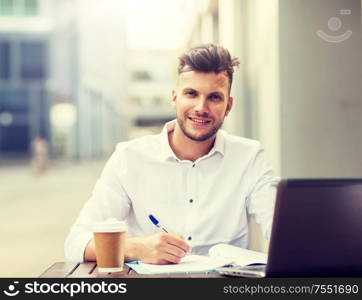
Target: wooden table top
x,y
90,270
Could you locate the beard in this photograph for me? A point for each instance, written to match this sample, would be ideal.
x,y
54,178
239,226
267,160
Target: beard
x,y
213,130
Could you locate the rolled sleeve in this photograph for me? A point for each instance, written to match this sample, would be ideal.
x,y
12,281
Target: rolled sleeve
x,y
108,200
261,199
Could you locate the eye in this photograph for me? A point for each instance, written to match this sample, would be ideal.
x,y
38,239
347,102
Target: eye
x,y
215,97
190,93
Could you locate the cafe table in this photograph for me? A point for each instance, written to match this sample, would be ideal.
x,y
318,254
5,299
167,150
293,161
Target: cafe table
x,y
90,270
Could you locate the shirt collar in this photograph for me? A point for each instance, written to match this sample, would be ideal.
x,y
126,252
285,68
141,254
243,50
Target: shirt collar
x,y
167,152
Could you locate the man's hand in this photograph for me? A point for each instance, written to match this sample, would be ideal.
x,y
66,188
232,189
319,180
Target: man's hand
x,y
162,248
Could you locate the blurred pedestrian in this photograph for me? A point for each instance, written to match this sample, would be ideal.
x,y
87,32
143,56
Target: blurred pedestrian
x,y
40,152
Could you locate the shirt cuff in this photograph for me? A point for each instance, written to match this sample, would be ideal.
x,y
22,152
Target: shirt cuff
x,y
75,249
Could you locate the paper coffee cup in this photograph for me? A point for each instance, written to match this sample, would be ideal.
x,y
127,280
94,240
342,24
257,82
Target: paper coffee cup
x,y
109,239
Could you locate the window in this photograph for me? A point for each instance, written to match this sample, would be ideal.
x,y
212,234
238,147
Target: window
x,y
31,7
19,7
43,106
32,60
14,101
141,76
4,60
6,7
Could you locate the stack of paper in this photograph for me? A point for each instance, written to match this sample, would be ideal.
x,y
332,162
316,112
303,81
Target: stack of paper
x,y
219,255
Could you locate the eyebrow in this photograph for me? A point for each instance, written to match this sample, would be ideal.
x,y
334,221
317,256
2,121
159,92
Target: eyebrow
x,y
216,93
188,88
212,93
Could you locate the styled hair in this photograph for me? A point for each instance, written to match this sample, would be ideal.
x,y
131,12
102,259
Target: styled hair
x,y
208,58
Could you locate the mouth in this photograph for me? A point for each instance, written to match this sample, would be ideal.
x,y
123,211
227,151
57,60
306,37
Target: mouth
x,y
199,121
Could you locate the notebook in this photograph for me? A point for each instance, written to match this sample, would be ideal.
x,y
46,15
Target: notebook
x,y
219,255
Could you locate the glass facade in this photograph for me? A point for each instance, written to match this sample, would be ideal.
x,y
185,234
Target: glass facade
x,y
31,7
4,60
32,58
25,106
19,8
15,136
14,101
6,7
43,106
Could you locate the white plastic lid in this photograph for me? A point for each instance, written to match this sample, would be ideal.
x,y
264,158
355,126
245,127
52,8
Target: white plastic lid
x,y
110,225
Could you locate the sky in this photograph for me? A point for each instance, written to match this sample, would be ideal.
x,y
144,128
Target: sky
x,y
164,24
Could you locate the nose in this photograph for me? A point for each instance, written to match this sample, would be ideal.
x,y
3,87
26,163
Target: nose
x,y
201,106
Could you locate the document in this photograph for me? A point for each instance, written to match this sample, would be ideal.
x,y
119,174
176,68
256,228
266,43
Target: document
x,y
189,264
240,256
219,255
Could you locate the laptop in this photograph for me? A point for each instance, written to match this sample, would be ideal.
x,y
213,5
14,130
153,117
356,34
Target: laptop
x,y
316,232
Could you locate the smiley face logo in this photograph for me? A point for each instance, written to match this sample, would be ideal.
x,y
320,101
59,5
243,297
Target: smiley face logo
x,y
334,24
12,292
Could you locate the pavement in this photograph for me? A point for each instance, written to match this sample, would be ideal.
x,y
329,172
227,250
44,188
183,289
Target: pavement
x,y
36,213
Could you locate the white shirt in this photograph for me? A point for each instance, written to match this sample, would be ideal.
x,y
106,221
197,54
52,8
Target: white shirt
x,y
207,201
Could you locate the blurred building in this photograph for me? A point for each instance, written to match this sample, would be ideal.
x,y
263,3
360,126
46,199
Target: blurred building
x,y
90,71
233,25
25,31
297,93
63,76
157,36
152,77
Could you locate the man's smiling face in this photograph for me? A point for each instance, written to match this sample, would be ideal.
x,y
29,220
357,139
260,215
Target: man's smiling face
x,y
201,101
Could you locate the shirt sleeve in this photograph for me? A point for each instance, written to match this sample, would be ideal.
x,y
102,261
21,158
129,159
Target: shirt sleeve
x,y
108,200
263,186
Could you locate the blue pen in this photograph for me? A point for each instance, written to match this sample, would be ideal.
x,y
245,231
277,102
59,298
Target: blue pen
x,y
157,223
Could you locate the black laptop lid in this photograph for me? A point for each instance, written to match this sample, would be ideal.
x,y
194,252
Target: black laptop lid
x,y
317,228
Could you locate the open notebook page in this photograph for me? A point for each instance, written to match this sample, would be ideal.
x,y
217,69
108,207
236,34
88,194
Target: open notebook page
x,y
189,264
240,256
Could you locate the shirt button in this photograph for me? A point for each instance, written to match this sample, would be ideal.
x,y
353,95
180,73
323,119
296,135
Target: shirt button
x,y
189,238
191,200
193,165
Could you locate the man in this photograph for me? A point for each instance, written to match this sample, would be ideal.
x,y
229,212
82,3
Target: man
x,y
198,181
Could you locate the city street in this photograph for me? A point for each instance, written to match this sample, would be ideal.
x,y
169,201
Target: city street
x,y
37,211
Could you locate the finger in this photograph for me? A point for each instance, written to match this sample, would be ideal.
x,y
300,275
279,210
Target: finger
x,y
177,241
170,258
161,262
174,250
156,261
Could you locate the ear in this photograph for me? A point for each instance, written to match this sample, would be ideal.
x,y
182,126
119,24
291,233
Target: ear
x,y
229,105
174,97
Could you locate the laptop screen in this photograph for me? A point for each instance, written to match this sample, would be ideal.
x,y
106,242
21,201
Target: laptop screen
x,y
317,228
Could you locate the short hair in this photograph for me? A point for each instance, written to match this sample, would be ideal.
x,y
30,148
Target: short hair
x,y
208,58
